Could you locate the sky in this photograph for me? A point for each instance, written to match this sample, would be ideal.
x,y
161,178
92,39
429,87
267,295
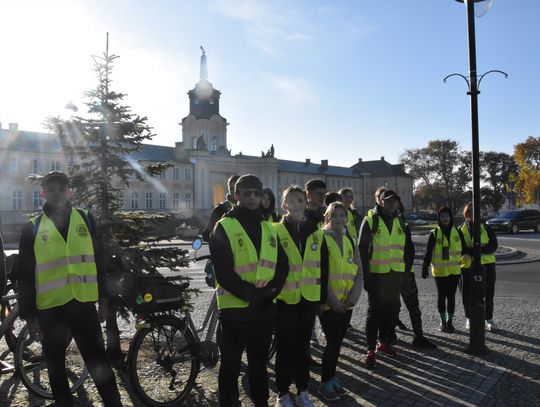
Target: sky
x,y
319,79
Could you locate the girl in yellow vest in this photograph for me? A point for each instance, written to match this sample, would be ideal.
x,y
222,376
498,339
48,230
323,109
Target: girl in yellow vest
x,y
489,244
340,260
299,299
352,218
443,252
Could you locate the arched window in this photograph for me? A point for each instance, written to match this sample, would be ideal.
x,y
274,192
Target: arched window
x,y
214,144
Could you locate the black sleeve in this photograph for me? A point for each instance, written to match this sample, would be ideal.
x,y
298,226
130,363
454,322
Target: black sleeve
x,y
492,244
216,214
364,247
429,251
325,273
26,278
223,262
101,264
409,251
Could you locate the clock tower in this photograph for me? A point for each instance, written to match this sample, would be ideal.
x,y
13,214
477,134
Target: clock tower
x,y
204,128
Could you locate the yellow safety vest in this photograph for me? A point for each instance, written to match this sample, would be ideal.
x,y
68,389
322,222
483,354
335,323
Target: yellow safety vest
x,y
351,225
341,268
388,248
65,270
467,260
444,268
251,266
304,278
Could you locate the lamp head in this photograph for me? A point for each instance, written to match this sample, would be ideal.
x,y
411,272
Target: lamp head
x,y
481,10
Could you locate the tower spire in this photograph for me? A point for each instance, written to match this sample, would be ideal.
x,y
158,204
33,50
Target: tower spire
x,y
204,68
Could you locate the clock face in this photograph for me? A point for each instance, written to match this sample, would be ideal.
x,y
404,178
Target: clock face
x,y
196,101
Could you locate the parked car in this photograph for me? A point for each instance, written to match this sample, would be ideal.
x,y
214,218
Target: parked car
x,y
514,221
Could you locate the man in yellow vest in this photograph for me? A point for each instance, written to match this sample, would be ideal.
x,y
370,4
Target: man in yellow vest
x,y
382,252
251,268
61,275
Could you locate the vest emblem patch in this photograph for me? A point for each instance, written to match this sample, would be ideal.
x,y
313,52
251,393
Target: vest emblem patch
x,y
272,241
82,231
44,237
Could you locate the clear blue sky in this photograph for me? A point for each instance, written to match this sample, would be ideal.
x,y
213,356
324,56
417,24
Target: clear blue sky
x,y
333,80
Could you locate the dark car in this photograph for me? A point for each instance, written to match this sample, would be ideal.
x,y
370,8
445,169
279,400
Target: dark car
x,y
514,221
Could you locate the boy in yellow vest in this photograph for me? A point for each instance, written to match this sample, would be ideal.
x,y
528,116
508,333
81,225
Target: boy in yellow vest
x,y
61,275
251,269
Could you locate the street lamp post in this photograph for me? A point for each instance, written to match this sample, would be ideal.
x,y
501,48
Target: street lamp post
x,y
477,337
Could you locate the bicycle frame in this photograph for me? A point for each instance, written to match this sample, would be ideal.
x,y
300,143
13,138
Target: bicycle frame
x,y
210,320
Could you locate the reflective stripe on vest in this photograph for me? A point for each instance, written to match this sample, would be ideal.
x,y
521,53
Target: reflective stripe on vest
x,y
304,275
65,270
342,269
351,225
466,260
444,268
250,266
388,248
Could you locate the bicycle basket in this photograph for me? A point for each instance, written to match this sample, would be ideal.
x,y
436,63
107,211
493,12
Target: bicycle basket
x,y
154,294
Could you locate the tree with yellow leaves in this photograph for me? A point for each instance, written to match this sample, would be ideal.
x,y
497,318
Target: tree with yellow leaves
x,y
527,156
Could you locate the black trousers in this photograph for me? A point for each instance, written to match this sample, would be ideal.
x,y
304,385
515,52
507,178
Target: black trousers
x,y
490,278
255,338
446,293
409,293
81,320
383,306
334,326
294,325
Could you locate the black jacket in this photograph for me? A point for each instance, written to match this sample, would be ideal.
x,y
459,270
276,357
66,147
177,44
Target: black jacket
x,y
26,277
260,300
217,213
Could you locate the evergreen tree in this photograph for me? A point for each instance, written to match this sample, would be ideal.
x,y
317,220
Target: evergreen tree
x,y
104,143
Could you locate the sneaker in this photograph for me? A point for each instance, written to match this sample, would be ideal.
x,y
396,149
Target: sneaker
x,y
303,400
370,360
327,392
491,325
386,349
443,327
313,364
423,342
284,401
338,388
450,328
467,324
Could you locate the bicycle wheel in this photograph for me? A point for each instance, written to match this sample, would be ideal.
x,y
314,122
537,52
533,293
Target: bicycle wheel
x,y
14,328
163,362
31,367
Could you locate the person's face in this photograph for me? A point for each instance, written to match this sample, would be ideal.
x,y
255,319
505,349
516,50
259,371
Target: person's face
x,y
316,197
295,205
56,194
348,198
390,205
445,218
469,213
265,201
338,219
249,198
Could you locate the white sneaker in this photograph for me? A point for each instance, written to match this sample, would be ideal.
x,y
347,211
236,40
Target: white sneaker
x,y
491,325
302,400
284,401
467,323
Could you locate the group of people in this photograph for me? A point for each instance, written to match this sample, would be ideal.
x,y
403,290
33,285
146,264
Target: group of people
x,y
276,273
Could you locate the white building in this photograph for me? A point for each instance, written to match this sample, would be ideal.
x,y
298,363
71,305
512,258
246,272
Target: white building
x,y
202,165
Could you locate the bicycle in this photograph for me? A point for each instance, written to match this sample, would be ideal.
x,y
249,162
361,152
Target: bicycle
x,y
165,355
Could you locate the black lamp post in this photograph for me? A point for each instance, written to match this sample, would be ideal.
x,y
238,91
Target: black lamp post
x,y
477,337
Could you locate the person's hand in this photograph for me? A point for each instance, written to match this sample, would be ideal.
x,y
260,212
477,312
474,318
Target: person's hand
x,y
339,308
35,331
425,273
103,309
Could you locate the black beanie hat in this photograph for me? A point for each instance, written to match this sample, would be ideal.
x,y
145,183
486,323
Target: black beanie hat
x,y
248,181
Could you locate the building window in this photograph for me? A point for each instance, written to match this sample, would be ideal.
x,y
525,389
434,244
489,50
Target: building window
x,y
149,200
162,200
71,162
187,200
55,165
163,174
35,166
194,143
38,201
176,200
16,200
15,165
134,200
214,143
176,173
187,174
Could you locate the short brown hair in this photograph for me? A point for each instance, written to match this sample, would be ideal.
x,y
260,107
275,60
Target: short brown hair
x,y
331,209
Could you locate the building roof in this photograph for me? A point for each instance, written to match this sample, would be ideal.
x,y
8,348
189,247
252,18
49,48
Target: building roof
x,y
314,168
29,141
379,168
151,152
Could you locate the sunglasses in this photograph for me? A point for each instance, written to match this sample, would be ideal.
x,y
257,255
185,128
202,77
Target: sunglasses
x,y
246,193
